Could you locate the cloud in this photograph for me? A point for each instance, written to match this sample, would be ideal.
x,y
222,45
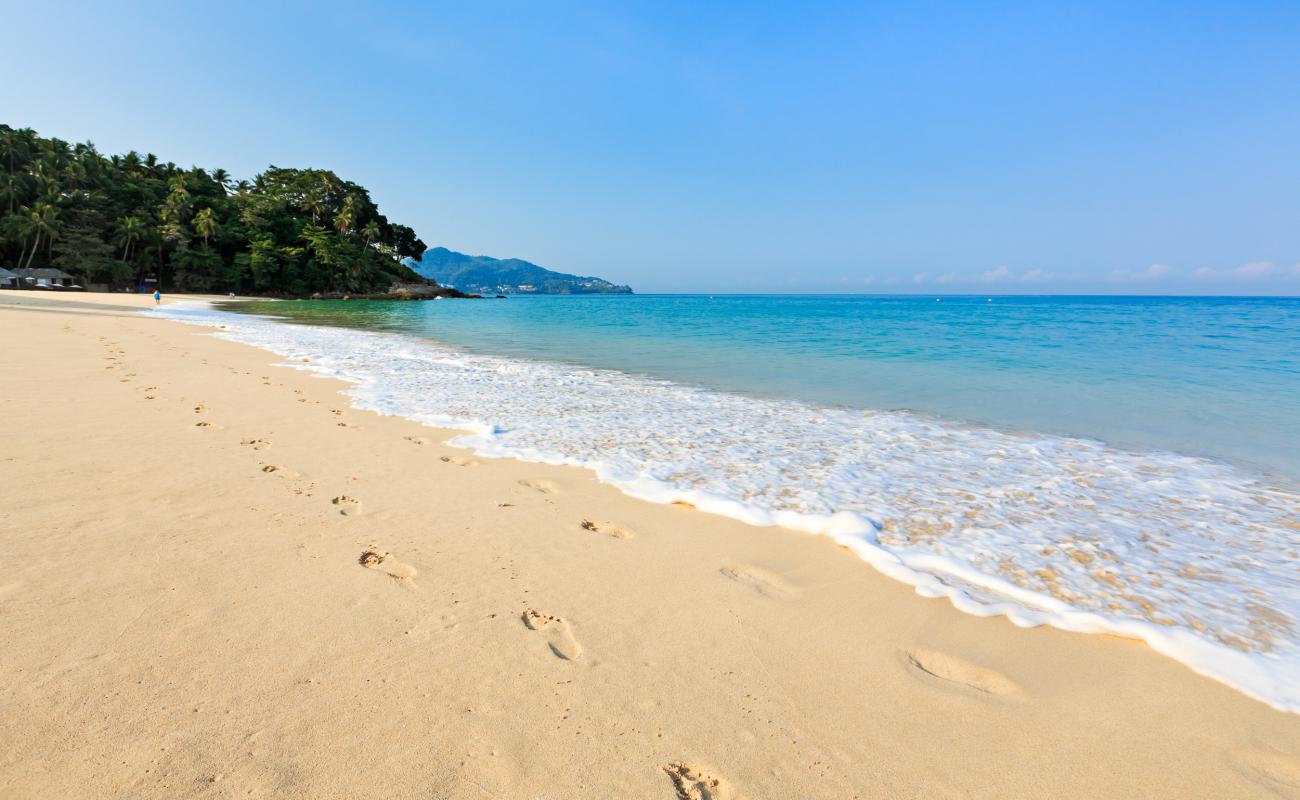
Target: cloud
x,y
1151,273
1036,276
994,275
949,277
1255,270
920,277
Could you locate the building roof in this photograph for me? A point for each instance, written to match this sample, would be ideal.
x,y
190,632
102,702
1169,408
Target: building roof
x,y
43,272
4,273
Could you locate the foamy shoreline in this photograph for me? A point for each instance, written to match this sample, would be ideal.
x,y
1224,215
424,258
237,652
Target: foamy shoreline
x,y
520,630
386,377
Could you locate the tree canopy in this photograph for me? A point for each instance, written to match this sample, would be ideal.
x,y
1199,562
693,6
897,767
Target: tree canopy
x,y
119,220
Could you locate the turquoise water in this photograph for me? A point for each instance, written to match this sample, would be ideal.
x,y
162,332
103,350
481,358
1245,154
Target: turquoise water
x,y
1217,377
1118,465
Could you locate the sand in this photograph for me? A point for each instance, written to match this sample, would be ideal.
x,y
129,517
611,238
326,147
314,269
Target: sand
x,y
220,580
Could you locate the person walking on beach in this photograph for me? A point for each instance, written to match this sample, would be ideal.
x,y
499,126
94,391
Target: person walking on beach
x,y
157,297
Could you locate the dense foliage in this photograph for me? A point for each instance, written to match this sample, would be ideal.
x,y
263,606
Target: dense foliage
x,y
118,220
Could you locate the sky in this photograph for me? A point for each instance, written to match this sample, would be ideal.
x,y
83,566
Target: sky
x,y
1131,148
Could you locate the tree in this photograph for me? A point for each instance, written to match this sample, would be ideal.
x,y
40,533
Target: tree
x,y
15,150
44,223
129,230
313,204
206,225
222,178
285,231
82,250
370,232
343,221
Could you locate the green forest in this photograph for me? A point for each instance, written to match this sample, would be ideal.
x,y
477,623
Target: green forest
x,y
122,220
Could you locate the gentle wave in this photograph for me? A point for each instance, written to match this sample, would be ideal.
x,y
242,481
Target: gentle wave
x,y
1199,559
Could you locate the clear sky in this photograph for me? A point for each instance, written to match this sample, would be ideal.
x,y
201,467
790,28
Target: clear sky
x,y
864,147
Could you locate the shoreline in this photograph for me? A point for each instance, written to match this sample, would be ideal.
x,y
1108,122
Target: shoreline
x,y
219,612
970,588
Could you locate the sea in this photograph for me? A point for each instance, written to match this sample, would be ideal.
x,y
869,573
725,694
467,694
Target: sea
x,y
1122,465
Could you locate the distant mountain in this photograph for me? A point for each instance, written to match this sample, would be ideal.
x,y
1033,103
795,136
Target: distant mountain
x,y
483,275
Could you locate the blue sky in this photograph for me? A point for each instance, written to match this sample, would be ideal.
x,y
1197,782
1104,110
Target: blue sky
x,y
946,147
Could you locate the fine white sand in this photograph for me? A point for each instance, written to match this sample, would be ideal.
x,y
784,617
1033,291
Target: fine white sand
x,y
219,580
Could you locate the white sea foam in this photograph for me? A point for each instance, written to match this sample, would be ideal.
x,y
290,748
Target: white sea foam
x,y
1198,558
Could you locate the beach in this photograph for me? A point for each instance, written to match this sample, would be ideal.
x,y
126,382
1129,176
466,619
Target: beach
x,y
222,580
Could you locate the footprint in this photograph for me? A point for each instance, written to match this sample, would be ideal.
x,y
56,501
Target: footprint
x,y
417,439
348,506
761,581
203,423
559,636
200,408
540,485
931,664
693,783
256,444
384,562
283,472
1275,770
596,526
460,462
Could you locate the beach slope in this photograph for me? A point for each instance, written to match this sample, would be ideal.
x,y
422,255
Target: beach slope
x,y
220,580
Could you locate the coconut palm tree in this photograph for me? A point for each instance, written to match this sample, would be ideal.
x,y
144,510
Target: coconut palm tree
x,y
12,187
43,223
343,222
206,225
370,232
129,230
15,148
223,179
313,202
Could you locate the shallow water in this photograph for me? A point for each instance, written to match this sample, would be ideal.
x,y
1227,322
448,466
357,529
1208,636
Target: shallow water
x,y
1202,376
1099,464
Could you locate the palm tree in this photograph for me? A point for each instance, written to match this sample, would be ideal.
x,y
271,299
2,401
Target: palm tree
x,y
129,233
20,227
343,222
11,188
73,174
14,149
313,202
222,178
206,224
43,219
370,232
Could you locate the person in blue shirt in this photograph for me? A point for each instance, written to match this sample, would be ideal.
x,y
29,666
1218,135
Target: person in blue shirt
x,y
157,297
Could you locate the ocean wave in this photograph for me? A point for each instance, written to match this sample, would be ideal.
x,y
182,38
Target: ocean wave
x,y
1197,558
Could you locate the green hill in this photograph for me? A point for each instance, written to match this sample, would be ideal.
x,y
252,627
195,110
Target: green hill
x,y
484,275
